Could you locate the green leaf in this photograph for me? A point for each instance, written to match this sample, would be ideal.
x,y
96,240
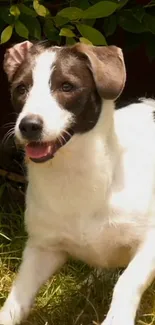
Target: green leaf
x,y
49,26
129,23
60,21
92,34
6,34
122,4
27,11
138,13
149,23
70,27
33,26
6,16
40,9
66,32
14,11
100,10
90,22
85,41
83,4
110,24
70,41
21,29
72,13
50,31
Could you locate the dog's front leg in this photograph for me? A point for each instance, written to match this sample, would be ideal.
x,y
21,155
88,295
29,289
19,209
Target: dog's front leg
x,y
37,266
131,285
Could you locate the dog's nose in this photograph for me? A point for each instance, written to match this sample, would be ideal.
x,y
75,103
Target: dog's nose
x,y
31,127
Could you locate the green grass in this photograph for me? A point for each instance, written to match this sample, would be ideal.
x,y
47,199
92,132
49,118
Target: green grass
x,y
78,295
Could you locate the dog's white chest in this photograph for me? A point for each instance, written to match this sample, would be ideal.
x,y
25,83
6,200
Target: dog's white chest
x,y
73,217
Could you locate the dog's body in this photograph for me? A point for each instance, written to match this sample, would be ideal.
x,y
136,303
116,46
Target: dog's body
x,y
95,201
86,197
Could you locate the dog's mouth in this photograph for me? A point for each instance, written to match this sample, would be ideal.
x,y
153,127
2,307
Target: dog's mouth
x,y
42,151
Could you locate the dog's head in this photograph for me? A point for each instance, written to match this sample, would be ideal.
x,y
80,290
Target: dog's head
x,y
58,91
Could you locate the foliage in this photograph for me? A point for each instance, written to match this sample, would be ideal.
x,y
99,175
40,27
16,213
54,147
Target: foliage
x,y
88,21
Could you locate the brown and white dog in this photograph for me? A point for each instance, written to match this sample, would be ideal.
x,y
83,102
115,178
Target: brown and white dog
x,y
91,172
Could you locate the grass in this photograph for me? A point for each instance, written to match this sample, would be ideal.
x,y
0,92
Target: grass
x,y
78,295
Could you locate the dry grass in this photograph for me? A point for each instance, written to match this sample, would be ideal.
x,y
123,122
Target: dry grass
x,y
78,295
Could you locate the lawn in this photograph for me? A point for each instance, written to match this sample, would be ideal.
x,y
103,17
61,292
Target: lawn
x,y
78,295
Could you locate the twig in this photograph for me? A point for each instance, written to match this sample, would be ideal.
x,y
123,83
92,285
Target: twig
x,y
12,176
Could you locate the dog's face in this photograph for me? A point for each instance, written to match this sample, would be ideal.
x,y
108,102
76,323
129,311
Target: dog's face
x,y
58,91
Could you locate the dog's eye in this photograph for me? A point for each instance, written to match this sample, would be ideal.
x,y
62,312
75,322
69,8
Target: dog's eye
x,y
66,87
21,89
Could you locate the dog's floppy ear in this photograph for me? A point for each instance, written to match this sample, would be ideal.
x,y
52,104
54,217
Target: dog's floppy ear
x,y
14,56
108,68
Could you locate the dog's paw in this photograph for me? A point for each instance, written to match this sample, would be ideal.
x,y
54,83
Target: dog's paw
x,y
11,313
5,318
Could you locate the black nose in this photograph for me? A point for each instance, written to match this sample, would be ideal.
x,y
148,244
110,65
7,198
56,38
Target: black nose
x,y
31,127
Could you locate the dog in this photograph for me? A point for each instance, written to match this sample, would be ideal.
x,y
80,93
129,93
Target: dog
x,y
90,169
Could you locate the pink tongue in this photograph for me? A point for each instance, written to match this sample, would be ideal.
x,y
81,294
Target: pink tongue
x,y
37,150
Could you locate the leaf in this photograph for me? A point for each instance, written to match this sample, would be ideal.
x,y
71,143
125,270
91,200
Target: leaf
x,y
83,4
70,41
49,25
21,29
138,13
129,23
100,10
90,22
14,11
66,32
48,12
85,40
92,34
72,13
70,27
40,9
60,21
110,24
149,23
6,34
6,16
122,4
33,26
50,31
27,11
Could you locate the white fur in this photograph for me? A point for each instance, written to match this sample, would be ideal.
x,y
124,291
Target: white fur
x,y
95,201
40,101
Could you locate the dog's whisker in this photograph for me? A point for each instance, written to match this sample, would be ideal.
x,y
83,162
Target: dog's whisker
x,y
9,124
59,139
63,138
65,131
7,136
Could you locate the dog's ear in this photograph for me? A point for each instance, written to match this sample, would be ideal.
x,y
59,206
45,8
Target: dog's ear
x,y
14,56
108,68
